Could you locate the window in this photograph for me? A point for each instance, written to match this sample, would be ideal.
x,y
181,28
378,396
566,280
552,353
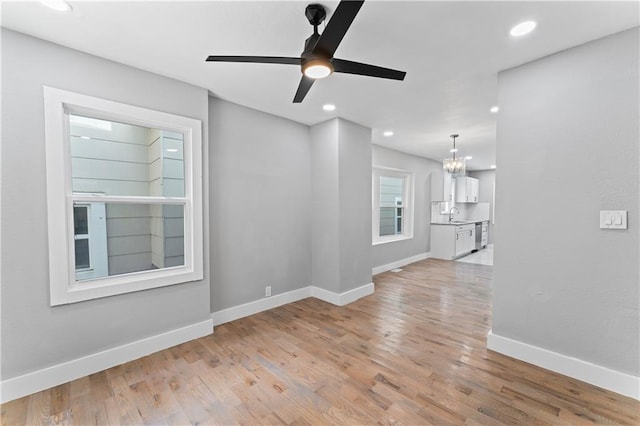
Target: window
x,y
392,205
124,197
90,240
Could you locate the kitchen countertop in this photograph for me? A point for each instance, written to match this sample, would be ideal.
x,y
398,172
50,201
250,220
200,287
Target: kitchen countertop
x,y
459,222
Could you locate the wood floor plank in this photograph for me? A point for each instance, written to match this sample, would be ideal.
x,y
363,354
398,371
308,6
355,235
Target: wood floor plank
x,y
413,353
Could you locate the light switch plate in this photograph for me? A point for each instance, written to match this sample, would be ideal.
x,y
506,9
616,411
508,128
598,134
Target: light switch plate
x,y
613,219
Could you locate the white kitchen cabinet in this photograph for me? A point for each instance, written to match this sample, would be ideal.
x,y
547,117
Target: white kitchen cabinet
x,y
465,239
452,241
448,187
467,189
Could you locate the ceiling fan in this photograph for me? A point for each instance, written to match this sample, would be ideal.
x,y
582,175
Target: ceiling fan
x,y
317,59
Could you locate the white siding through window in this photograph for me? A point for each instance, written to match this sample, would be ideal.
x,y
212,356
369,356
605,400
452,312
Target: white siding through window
x,y
392,205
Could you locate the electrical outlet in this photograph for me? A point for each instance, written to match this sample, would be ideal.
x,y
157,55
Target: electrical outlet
x,y
267,291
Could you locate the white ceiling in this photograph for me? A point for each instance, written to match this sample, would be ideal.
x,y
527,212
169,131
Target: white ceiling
x,y
451,51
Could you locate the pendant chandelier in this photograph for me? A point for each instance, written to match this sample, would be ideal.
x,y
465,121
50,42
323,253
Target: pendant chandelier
x,y
454,165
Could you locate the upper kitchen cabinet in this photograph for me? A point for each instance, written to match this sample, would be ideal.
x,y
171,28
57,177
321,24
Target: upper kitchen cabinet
x,y
467,189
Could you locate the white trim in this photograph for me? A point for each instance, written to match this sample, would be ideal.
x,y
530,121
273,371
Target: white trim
x,y
341,299
55,375
391,169
616,381
399,263
408,204
260,305
391,239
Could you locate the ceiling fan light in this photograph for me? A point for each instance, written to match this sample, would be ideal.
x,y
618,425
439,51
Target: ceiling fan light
x,y
317,68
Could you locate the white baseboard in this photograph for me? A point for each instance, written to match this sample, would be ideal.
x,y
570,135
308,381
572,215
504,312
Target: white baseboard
x,y
250,308
400,263
257,306
56,375
341,299
622,383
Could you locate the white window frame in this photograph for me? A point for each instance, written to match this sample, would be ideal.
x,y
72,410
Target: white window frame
x,y
408,196
64,288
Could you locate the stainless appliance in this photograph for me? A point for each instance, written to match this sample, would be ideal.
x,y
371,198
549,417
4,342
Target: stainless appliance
x,y
482,234
478,235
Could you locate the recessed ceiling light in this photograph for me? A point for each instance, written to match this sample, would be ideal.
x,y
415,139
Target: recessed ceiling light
x,y
453,150
59,5
468,157
494,109
493,166
523,28
388,133
328,107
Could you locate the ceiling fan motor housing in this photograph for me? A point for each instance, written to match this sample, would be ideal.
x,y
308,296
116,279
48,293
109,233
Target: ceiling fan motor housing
x,y
310,58
315,13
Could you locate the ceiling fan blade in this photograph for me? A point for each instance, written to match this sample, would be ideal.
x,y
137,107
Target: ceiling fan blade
x,y
337,26
256,59
303,88
350,67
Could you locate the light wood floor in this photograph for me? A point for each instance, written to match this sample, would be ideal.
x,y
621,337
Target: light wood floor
x,y
413,353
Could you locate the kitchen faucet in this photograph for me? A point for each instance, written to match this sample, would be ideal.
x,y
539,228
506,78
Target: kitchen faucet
x,y
451,212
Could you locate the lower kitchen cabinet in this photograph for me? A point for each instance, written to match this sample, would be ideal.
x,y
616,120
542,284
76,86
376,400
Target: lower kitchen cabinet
x,y
452,241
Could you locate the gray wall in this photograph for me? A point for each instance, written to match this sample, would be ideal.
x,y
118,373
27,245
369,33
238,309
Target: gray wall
x,y
260,204
34,334
325,219
341,206
428,186
567,148
487,179
354,190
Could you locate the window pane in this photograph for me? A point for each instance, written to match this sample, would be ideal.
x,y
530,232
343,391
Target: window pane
x,y
82,254
387,221
128,238
80,220
143,237
122,159
391,220
391,191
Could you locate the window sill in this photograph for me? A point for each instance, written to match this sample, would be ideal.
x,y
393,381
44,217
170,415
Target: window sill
x,y
122,284
394,239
